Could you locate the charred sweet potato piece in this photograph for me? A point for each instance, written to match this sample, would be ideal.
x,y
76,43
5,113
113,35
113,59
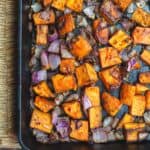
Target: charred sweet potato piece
x,y
131,136
144,77
127,118
141,17
43,90
111,77
47,2
127,93
147,96
73,109
110,11
95,117
43,104
75,5
141,35
93,95
138,105
67,66
63,83
108,57
86,74
134,126
145,56
80,47
44,17
41,34
65,24
41,121
59,4
110,103
140,88
120,40
79,130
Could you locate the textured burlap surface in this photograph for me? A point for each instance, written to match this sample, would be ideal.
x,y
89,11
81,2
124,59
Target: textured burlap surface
x,y
8,55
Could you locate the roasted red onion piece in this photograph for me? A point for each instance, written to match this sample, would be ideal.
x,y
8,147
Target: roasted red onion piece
x,y
86,102
127,24
132,64
55,114
53,36
54,47
44,59
64,51
38,76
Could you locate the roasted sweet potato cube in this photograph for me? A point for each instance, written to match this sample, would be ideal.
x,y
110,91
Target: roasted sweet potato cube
x,y
47,2
123,4
110,103
131,136
127,118
59,4
80,47
41,121
108,57
140,88
127,93
144,77
93,95
43,104
134,126
73,109
138,105
67,66
43,90
79,130
111,77
141,17
120,40
145,56
65,24
86,74
63,83
95,117
110,11
41,34
141,35
147,96
44,17
75,5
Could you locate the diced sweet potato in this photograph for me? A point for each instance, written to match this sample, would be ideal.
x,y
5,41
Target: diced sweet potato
x,y
44,17
86,74
63,83
93,95
120,40
80,47
131,136
140,88
141,17
147,96
73,109
110,103
127,93
111,77
95,117
79,130
67,66
43,104
138,105
75,5
134,126
123,4
109,56
127,118
144,77
41,121
43,90
145,56
41,34
59,4
110,11
65,24
141,35
47,2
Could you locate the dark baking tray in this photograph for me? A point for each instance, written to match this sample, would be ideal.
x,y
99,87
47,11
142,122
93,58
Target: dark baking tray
x,y
25,137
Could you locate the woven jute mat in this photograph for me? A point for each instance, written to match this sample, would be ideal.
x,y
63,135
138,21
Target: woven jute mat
x,y
8,57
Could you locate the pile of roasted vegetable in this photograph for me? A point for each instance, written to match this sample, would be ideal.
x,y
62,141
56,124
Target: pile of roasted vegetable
x,y
90,70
